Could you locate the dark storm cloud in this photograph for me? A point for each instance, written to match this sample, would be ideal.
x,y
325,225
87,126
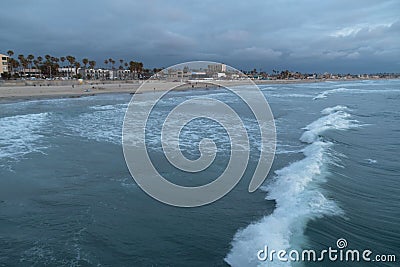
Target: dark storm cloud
x,y
344,36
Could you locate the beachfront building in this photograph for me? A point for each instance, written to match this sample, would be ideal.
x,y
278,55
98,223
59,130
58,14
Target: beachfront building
x,y
3,64
214,71
179,75
32,72
123,74
198,75
215,68
94,73
67,72
221,75
98,74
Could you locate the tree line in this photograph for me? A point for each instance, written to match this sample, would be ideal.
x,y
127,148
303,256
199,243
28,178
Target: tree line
x,y
48,66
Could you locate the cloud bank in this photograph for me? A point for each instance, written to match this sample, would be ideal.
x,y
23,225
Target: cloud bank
x,y
335,36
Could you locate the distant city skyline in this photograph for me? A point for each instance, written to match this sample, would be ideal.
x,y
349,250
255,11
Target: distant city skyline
x,y
311,36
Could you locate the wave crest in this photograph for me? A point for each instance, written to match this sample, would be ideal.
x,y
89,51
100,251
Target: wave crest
x,y
298,196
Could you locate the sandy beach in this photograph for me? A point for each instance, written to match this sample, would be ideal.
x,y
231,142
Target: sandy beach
x,y
39,91
55,89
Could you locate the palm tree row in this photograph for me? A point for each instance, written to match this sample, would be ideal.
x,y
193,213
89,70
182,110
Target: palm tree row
x,y
134,66
49,65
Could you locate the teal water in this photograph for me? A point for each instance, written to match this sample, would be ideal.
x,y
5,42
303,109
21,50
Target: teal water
x,y
67,198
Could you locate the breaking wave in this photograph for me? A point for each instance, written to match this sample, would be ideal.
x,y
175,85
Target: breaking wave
x,y
298,195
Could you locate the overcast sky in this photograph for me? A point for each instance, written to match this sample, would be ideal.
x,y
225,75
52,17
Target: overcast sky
x,y
315,36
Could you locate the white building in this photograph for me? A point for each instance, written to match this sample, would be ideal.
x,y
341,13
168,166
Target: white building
x,y
103,74
221,75
67,72
3,64
123,74
215,68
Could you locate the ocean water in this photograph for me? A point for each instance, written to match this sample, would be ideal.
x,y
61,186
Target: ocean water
x,y
67,198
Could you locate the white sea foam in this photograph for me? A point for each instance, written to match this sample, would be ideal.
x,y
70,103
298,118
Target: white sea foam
x,y
287,149
331,110
102,125
109,107
280,95
191,135
336,118
21,135
326,93
298,196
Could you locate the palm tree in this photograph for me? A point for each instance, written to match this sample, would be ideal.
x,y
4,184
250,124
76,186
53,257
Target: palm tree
x,y
62,59
92,63
10,54
126,67
71,61
132,67
106,63
136,67
85,61
48,64
14,64
67,58
40,59
30,59
36,63
23,62
113,68
56,65
52,63
140,66
77,66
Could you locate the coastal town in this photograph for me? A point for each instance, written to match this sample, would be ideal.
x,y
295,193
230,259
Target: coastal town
x,y
200,133
69,68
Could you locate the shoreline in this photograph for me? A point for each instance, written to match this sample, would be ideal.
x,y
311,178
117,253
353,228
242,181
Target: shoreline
x,y
75,90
